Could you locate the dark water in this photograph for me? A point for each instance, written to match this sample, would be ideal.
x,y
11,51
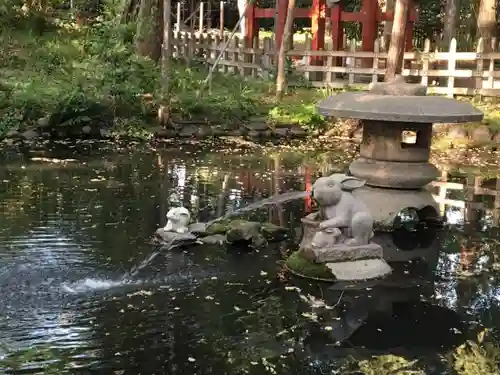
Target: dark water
x,y
70,232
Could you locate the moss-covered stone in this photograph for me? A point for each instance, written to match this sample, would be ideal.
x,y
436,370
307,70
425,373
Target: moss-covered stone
x,y
273,232
270,231
245,232
297,263
219,227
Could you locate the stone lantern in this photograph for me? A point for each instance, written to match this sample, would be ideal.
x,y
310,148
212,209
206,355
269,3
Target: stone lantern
x,y
397,123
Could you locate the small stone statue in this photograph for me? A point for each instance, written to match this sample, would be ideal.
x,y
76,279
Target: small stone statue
x,y
340,233
178,219
344,219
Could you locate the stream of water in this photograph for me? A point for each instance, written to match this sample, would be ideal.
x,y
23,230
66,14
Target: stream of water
x,y
84,286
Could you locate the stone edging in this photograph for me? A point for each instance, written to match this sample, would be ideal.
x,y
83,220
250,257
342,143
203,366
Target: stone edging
x,y
256,128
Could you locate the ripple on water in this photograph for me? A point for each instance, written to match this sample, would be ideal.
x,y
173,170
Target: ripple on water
x,y
91,284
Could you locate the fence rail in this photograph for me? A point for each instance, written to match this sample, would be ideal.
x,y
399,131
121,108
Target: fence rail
x,y
444,72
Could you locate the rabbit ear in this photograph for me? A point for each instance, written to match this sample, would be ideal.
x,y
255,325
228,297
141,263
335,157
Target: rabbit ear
x,y
349,183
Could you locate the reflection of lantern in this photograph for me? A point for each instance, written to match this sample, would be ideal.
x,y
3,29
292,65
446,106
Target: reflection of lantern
x,y
407,219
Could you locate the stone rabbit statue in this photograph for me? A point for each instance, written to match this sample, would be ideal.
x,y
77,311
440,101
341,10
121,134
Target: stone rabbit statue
x,y
340,210
178,219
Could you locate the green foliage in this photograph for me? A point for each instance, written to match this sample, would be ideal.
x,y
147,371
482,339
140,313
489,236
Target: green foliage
x,y
73,75
389,364
299,108
480,357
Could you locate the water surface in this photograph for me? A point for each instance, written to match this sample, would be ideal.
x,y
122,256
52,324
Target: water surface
x,y
72,230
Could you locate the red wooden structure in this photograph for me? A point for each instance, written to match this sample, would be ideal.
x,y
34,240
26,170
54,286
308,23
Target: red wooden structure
x,y
369,16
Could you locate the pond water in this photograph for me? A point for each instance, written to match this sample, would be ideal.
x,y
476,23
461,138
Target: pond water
x,y
71,231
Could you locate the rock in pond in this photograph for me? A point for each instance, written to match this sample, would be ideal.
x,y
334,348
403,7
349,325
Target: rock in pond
x,y
233,233
214,239
173,239
247,233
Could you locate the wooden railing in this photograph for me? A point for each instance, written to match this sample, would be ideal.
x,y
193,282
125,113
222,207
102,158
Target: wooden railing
x,y
450,73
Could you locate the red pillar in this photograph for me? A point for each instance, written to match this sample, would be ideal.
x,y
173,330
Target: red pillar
x,y
337,31
369,11
251,25
318,29
279,27
409,27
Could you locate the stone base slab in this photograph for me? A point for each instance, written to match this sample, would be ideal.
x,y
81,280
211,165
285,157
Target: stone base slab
x,y
360,269
342,253
173,239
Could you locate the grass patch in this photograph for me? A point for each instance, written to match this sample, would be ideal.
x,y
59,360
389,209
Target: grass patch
x,y
491,109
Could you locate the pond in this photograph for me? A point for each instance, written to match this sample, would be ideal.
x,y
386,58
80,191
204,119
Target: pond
x,y
74,225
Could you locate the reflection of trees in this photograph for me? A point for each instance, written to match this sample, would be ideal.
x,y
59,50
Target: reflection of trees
x,y
223,325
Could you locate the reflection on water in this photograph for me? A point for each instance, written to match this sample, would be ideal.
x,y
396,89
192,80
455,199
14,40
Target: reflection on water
x,y
71,235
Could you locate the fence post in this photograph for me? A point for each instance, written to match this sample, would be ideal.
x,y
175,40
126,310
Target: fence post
x,y
221,20
214,52
329,75
479,66
491,70
202,16
242,55
200,46
234,44
452,63
267,61
352,61
376,50
178,18
425,63
307,49
207,49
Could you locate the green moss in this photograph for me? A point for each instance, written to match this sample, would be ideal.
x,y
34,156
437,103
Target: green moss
x,y
219,227
297,263
270,230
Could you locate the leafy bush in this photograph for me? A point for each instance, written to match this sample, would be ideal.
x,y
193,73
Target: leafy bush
x,y
72,74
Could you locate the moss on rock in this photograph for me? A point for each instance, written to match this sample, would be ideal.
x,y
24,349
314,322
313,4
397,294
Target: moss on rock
x,y
297,263
273,232
219,227
270,231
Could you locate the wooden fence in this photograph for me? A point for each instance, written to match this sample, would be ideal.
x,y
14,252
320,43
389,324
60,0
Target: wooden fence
x,y
450,73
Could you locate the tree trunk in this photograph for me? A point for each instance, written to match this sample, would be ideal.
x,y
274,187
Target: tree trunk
x,y
130,10
285,43
449,23
149,34
242,6
397,44
166,54
486,22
